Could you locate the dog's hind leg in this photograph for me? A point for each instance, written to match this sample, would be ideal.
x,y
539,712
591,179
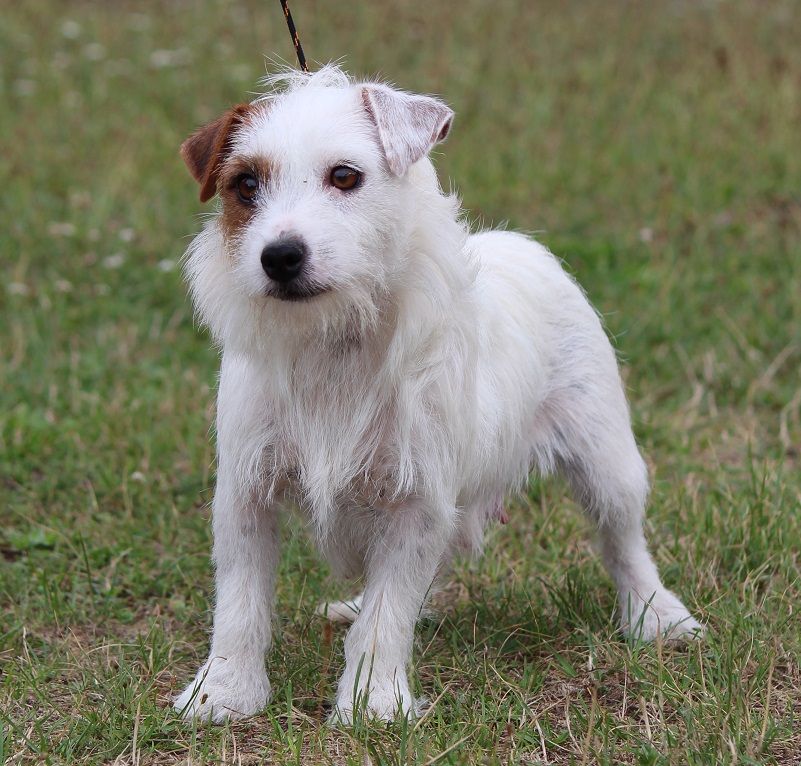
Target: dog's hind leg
x,y
345,611
595,449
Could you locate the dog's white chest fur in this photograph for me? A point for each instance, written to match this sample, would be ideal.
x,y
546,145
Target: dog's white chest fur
x,y
327,428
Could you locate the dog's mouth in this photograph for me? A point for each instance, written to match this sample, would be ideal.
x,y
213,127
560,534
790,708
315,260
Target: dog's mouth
x,y
296,293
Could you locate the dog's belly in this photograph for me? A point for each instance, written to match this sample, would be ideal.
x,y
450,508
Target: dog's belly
x,y
351,518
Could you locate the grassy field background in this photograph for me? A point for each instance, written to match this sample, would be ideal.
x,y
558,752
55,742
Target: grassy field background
x,y
655,147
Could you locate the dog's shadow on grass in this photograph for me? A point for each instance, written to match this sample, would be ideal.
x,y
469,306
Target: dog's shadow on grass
x,y
515,622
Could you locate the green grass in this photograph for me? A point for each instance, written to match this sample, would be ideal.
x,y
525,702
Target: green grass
x,y
656,148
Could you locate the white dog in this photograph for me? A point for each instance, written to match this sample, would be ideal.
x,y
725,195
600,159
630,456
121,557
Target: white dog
x,y
391,375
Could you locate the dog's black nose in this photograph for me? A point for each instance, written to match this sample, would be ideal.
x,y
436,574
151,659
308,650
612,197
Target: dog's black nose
x,y
282,261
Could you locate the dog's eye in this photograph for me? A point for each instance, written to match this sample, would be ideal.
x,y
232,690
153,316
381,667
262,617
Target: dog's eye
x,y
345,178
246,188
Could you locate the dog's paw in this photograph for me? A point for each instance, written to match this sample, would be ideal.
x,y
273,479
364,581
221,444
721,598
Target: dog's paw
x,y
224,690
382,702
662,614
340,611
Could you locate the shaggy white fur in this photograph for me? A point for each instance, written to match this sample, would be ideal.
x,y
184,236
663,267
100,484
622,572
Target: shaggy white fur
x,y
395,388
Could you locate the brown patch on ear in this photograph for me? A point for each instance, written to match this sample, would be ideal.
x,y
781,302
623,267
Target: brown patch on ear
x,y
204,151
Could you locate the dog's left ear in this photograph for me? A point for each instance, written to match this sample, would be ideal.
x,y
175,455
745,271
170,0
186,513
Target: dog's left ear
x,y
204,151
408,125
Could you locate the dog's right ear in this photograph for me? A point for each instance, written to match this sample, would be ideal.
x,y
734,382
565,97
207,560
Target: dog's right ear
x,y
204,151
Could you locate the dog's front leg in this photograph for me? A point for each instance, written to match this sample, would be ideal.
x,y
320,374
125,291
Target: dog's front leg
x,y
401,565
233,683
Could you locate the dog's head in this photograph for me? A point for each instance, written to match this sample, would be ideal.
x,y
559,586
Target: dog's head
x,y
318,184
